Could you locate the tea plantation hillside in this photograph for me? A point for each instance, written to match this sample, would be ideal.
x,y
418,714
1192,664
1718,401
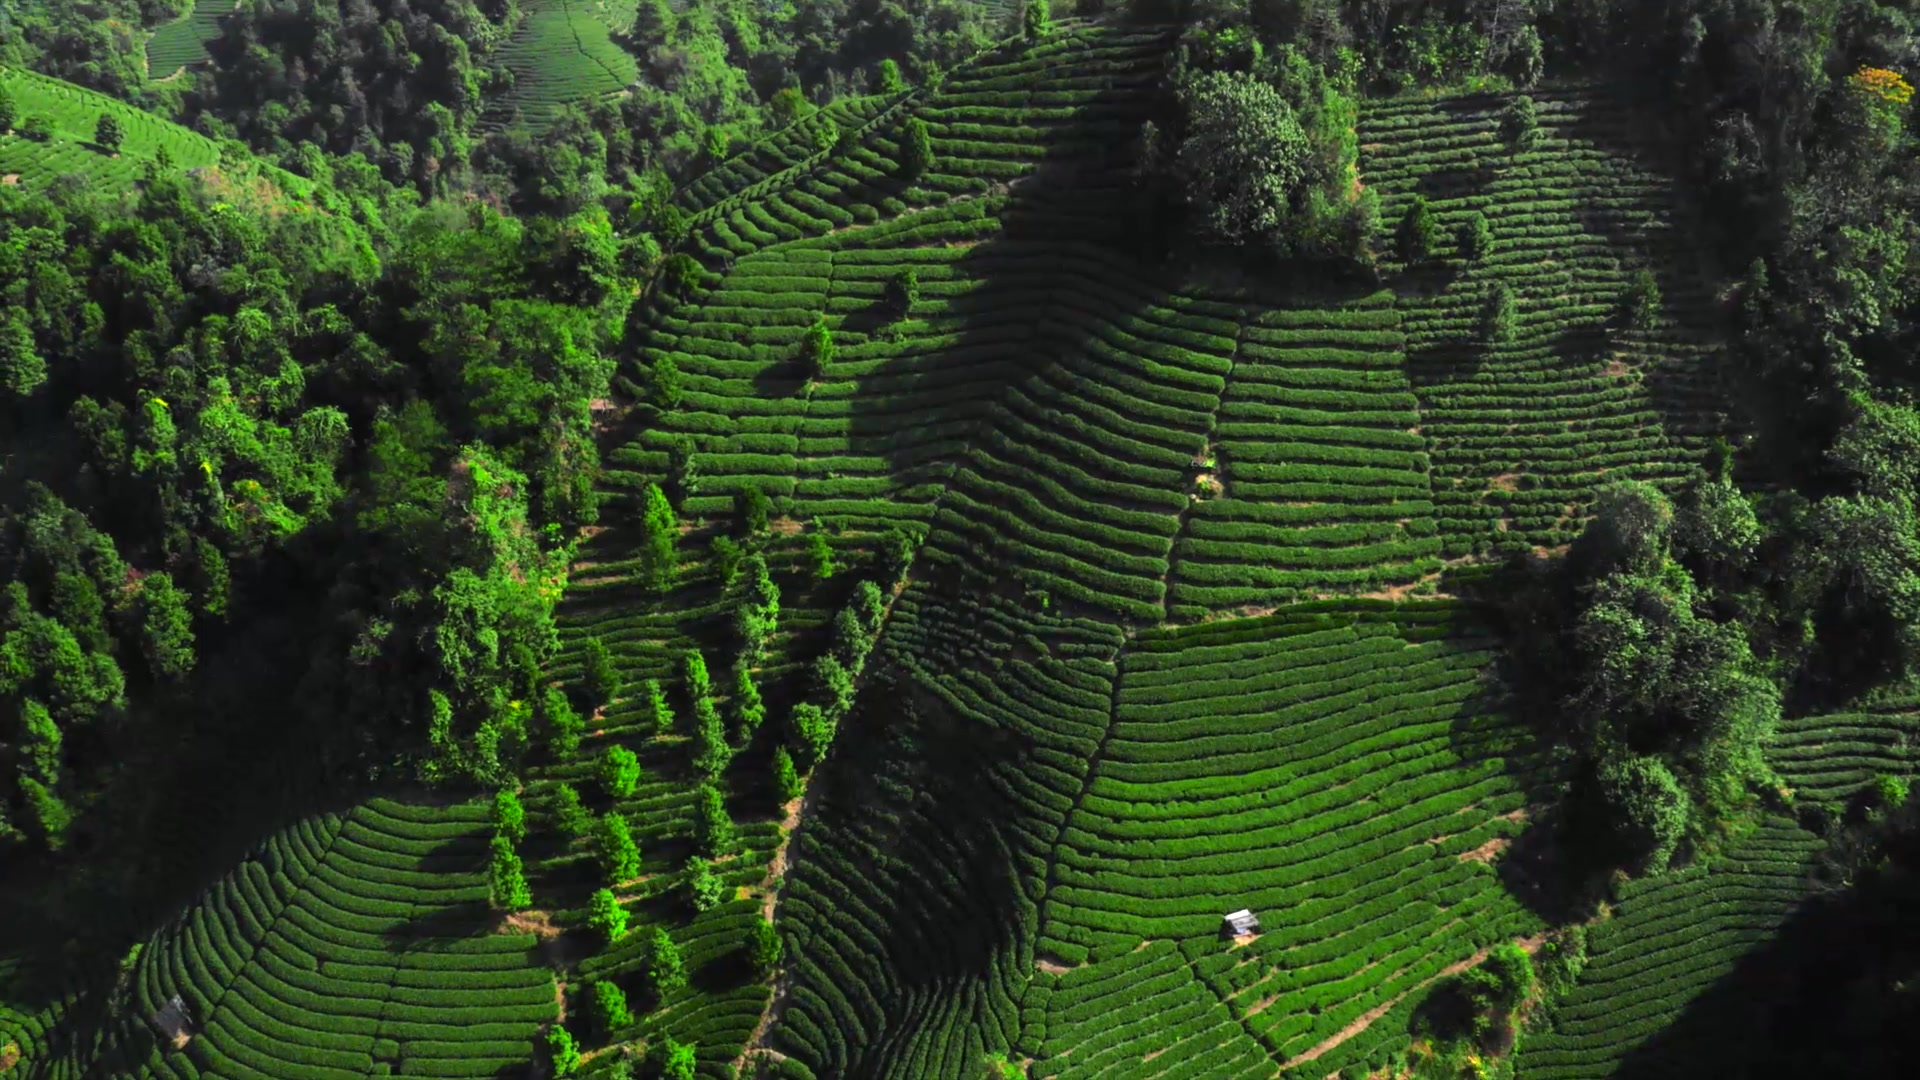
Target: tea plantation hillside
x,y
70,114
982,604
351,944
182,43
563,52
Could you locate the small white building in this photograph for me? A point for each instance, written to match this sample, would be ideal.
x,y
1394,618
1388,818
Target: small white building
x,y
1240,923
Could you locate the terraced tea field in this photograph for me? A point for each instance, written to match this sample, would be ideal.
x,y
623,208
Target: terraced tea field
x,y
1176,639
72,113
350,944
183,42
1521,432
563,52
1669,939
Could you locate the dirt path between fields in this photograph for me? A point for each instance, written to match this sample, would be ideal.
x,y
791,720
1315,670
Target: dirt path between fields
x,y
1366,1019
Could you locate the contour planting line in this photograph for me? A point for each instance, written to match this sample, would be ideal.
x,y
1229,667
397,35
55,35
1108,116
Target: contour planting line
x,y
1185,516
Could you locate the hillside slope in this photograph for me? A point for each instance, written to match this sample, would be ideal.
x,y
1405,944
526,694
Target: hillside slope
x,y
1177,639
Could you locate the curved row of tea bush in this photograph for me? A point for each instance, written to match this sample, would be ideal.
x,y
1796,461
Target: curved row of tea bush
x,y
1670,939
1522,430
348,945
1320,461
911,909
1326,767
1830,757
1170,1024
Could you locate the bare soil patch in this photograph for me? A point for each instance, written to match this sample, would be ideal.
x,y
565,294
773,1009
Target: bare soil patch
x,y
1488,851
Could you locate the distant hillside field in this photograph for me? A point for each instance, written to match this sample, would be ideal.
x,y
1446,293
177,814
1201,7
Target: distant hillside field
x,y
563,52
73,112
183,42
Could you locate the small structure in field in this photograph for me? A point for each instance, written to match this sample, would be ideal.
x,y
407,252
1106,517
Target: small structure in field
x,y
1240,924
173,1022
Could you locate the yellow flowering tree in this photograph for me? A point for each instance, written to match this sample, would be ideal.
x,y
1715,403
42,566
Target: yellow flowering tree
x,y
1877,101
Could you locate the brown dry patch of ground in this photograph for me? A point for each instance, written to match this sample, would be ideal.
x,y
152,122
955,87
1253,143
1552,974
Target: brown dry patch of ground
x,y
536,922
1488,851
1551,552
9,1056
1619,368
1366,1019
1506,481
10,178
786,526
1052,965
253,192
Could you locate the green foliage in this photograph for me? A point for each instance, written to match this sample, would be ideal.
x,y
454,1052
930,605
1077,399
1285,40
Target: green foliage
x,y
693,675
764,947
705,890
1036,20
916,151
607,1006
903,289
755,510
107,133
813,731
569,813
673,1060
711,751
506,878
889,81
166,628
659,712
659,533
816,350
748,711
613,844
1715,527
619,772
663,383
1498,314
820,563
600,675
897,548
1243,157
787,784
50,812
758,612
606,916
1640,305
1651,812
38,128
1519,124
666,971
1475,237
564,725
713,833
509,816
22,369
1419,232
563,1057
1891,791
9,110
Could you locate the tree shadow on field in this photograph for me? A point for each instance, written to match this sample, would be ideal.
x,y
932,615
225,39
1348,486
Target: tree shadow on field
x,y
1688,381
911,838
1830,993
1079,198
1513,605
